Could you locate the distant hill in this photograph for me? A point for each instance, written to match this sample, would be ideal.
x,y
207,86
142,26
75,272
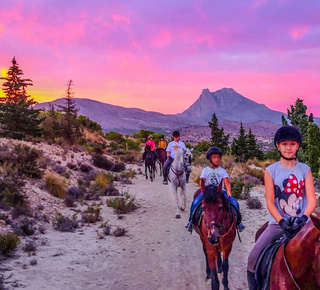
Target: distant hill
x,y
124,120
229,105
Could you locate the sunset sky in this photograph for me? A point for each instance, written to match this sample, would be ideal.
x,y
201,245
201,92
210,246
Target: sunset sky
x,y
159,54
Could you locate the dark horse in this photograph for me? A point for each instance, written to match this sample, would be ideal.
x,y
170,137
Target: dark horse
x,y
150,163
162,157
297,264
217,231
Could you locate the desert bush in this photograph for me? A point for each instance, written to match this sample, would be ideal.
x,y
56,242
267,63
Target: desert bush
x,y
29,246
59,169
237,187
118,167
200,160
91,214
256,172
246,189
251,179
114,146
123,204
111,191
131,157
259,163
114,136
75,192
119,231
24,160
102,162
8,244
130,173
24,227
254,203
85,168
65,223
69,201
103,180
56,185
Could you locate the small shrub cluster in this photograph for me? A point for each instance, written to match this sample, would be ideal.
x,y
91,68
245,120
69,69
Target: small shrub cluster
x,y
237,185
111,191
254,203
56,185
24,227
102,162
91,214
130,173
65,223
119,232
104,180
123,204
8,244
118,167
29,246
255,172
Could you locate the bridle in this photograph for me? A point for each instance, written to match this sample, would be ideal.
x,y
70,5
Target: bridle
x,y
179,173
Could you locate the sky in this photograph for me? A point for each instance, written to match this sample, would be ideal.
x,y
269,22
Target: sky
x,y
159,55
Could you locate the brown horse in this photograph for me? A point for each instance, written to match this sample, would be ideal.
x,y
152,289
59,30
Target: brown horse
x,y
162,157
217,231
297,265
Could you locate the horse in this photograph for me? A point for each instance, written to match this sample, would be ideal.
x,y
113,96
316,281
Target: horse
x,y
189,155
150,163
296,265
177,176
217,231
162,157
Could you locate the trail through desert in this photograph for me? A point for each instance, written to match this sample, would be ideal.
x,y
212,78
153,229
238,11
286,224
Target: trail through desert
x,y
157,253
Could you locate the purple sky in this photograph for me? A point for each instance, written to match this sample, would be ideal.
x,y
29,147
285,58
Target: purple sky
x,y
159,55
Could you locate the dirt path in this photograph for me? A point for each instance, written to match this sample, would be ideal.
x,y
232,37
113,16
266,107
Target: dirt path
x,y
158,252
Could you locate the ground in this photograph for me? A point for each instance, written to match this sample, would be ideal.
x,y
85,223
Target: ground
x,y
157,253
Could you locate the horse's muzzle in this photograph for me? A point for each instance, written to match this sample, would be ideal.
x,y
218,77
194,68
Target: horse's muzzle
x,y
213,240
188,169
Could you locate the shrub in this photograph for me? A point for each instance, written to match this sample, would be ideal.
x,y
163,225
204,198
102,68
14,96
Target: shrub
x,y
254,203
56,185
102,162
103,180
29,246
64,223
24,226
111,191
8,244
247,187
195,174
130,157
123,204
256,172
59,169
114,136
237,187
75,192
24,160
92,214
85,168
118,232
69,201
114,146
118,167
130,173
251,179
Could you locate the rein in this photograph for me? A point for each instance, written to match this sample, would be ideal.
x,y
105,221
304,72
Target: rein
x,y
288,268
177,173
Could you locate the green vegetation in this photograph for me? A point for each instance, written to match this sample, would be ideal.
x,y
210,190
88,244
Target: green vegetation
x,y
123,204
218,138
8,244
56,185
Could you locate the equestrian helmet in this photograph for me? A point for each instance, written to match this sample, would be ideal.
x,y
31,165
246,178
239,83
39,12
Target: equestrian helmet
x,y
176,134
287,133
150,136
213,150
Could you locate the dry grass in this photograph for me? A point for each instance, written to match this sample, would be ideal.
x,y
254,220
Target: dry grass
x,y
195,174
103,180
56,185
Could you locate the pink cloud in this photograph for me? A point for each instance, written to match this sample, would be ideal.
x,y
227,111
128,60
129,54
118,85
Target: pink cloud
x,y
299,31
120,18
162,39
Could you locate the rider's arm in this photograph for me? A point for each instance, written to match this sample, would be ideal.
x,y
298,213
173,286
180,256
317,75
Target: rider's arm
x,y
228,186
311,196
270,197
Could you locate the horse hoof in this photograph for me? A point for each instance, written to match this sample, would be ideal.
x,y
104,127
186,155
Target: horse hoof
x,y
182,209
178,216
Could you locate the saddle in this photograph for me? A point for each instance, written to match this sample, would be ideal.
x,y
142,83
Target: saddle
x,y
197,215
264,263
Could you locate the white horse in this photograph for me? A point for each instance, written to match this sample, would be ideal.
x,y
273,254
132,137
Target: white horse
x,y
177,175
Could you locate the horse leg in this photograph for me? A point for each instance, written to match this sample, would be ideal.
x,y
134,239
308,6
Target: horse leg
x,y
215,284
208,271
183,197
225,269
175,191
213,264
151,173
146,171
219,263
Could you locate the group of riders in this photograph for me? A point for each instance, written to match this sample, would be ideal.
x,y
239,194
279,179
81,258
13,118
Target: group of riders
x,y
289,189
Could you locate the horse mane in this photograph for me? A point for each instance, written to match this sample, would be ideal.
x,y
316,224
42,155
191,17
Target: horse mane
x,y
211,194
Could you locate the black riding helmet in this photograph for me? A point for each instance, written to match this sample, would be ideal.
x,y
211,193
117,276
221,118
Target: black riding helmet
x,y
287,133
176,134
213,150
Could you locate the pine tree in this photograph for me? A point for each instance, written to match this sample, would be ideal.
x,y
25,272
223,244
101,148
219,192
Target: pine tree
x,y
52,127
284,121
239,145
218,138
311,119
297,114
18,118
253,149
313,152
71,127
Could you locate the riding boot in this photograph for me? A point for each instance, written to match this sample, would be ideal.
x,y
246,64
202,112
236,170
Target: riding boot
x,y
252,284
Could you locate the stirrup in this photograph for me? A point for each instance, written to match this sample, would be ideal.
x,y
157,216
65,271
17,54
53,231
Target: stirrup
x,y
189,227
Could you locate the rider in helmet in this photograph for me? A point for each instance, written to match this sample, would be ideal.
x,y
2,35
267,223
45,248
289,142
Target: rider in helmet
x,y
162,143
214,175
150,142
290,195
172,149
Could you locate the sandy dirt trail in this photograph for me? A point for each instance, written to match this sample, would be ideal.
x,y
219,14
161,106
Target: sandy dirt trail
x,y
158,252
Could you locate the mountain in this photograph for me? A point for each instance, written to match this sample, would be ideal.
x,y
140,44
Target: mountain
x,y
124,120
228,105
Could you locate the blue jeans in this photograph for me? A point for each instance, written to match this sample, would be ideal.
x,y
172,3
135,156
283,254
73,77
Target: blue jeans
x,y
198,199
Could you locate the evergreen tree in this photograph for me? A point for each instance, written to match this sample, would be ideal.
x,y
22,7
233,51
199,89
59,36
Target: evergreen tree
x,y
297,114
253,149
218,138
313,152
284,121
18,118
311,119
71,130
239,145
52,127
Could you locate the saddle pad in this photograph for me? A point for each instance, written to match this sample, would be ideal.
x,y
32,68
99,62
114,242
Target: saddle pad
x,y
197,214
264,264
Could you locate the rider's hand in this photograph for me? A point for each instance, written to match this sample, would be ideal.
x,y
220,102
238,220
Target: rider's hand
x,y
229,193
301,221
286,227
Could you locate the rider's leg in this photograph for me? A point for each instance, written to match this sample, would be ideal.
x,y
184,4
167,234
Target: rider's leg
x,y
235,203
166,166
144,155
194,204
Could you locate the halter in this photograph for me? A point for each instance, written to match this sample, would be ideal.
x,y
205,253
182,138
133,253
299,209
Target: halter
x,y
177,173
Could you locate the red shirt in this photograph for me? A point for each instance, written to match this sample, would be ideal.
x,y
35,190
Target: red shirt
x,y
152,145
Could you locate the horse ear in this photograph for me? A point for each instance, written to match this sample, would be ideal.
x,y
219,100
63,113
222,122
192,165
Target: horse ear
x,y
219,187
191,150
316,221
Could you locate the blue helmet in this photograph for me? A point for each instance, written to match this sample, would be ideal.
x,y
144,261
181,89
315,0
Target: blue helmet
x,y
287,133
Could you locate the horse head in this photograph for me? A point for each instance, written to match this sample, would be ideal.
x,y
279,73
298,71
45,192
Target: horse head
x,y
215,212
187,157
316,262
